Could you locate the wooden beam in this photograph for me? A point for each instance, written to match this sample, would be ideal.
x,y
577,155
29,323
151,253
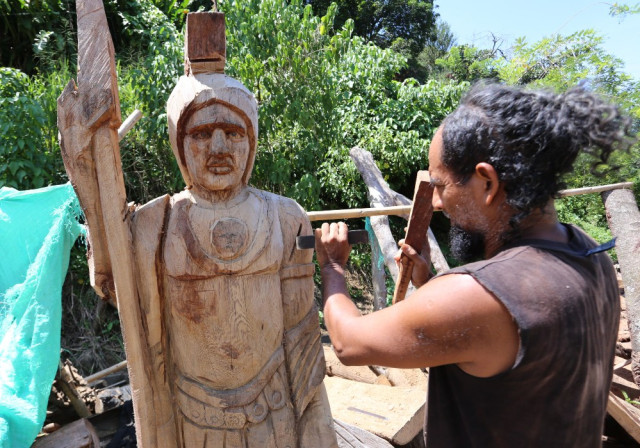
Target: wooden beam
x,y
625,414
79,434
129,123
205,55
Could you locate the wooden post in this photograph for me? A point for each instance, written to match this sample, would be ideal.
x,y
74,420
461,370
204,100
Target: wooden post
x,y
624,221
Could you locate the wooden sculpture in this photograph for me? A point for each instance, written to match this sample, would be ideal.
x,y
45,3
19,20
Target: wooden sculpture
x,y
216,302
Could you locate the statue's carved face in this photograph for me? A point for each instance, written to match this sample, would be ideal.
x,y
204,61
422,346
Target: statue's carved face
x,y
216,148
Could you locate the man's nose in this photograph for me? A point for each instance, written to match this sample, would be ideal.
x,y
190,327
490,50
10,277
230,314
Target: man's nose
x,y
436,201
218,141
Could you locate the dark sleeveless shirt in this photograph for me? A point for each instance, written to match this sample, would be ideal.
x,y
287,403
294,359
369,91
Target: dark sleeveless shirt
x,y
566,305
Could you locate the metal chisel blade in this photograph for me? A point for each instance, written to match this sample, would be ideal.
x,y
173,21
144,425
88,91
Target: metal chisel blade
x,y
354,237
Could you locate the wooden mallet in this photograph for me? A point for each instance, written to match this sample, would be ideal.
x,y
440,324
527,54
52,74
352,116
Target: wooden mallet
x,y
416,236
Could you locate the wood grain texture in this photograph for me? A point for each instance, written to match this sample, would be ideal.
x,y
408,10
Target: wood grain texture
x,y
206,51
350,436
623,218
88,119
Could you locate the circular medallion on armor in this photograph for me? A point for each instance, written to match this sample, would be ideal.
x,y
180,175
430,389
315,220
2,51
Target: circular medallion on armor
x,y
229,237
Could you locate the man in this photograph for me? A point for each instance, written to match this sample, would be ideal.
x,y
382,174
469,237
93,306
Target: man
x,y
520,344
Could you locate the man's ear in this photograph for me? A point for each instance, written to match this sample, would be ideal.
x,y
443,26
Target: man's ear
x,y
487,174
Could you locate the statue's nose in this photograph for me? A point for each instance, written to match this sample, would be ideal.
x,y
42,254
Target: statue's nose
x,y
218,141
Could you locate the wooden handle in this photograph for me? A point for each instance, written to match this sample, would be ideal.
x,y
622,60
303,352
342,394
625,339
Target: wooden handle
x,y
416,237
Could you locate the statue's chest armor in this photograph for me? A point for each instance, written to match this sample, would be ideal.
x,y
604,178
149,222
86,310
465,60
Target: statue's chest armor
x,y
222,287
241,239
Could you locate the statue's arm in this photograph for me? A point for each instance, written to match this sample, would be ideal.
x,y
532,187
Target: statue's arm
x,y
303,348
297,270
305,358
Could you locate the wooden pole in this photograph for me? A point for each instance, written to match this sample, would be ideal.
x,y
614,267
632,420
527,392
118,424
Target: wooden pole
x,y
328,215
403,210
129,123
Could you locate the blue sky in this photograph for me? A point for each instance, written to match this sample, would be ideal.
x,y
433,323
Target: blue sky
x,y
473,21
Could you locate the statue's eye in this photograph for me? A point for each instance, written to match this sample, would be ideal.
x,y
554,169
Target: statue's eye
x,y
235,135
201,135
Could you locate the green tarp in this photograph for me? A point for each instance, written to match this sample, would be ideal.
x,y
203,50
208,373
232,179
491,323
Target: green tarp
x,y
37,231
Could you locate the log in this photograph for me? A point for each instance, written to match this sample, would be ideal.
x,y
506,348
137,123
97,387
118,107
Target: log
x,y
623,218
378,276
79,434
67,383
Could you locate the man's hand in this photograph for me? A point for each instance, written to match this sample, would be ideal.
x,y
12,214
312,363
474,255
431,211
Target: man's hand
x,y
421,266
332,246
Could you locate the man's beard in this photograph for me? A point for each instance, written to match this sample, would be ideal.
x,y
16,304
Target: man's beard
x,y
466,246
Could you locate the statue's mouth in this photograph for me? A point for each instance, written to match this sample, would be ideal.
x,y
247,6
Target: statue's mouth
x,y
221,165
219,168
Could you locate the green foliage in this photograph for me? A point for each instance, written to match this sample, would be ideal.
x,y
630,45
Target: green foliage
x,y
321,92
29,155
405,24
467,63
561,62
30,26
148,163
623,10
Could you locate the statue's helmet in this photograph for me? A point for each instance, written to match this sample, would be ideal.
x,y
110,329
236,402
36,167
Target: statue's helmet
x,y
195,92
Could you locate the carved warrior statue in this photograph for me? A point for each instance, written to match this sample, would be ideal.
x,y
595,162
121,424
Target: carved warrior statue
x,y
216,302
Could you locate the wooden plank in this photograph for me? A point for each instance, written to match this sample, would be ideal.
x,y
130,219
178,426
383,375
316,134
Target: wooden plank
x,y
79,434
416,236
394,413
205,55
353,437
625,414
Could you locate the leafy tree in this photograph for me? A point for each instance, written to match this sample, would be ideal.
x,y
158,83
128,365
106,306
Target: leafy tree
x,y
406,25
468,63
623,10
426,66
322,92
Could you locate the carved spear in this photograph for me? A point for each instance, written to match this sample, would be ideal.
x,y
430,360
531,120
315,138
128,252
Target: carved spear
x,y
88,120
